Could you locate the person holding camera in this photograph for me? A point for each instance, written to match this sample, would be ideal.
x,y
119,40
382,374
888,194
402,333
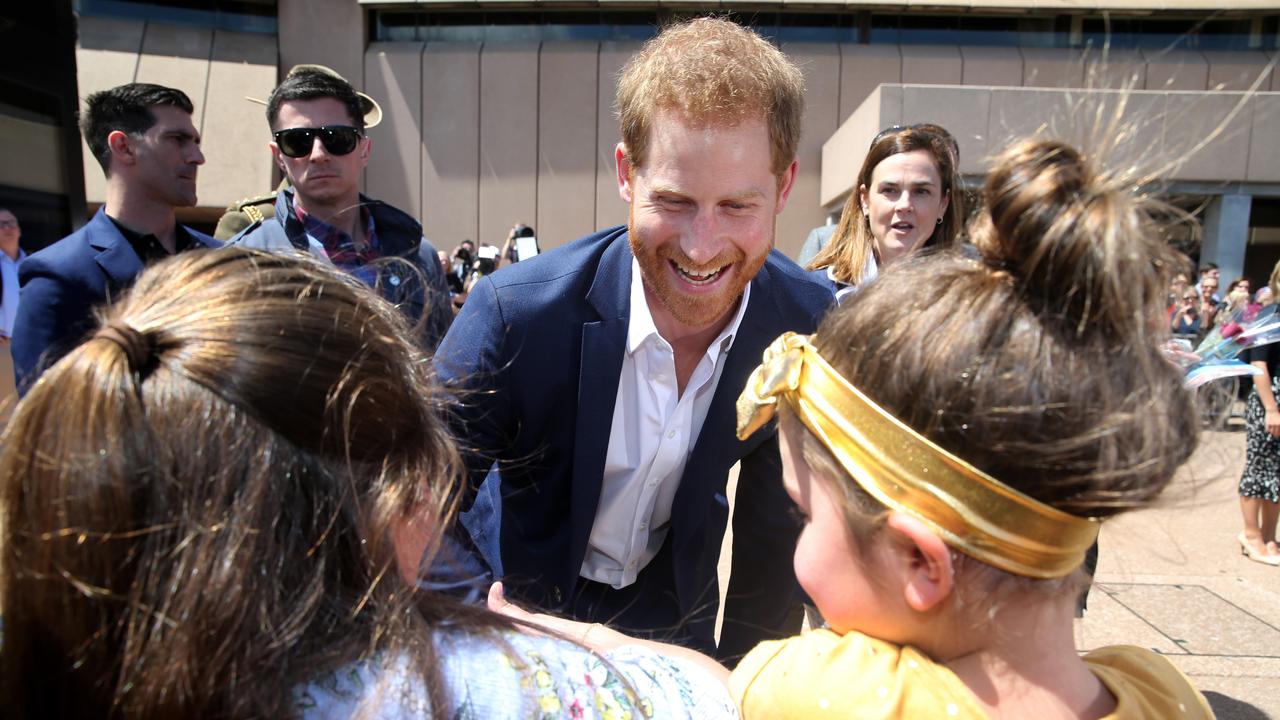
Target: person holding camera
x,y
460,266
1186,315
485,263
521,244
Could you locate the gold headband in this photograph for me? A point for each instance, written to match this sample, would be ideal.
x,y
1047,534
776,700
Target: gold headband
x,y
972,511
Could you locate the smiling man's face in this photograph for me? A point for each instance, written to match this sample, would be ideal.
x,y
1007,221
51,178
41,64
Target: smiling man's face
x,y
703,211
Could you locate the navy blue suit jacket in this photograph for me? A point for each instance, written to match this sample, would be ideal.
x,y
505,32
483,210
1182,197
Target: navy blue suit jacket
x,y
537,352
821,277
60,286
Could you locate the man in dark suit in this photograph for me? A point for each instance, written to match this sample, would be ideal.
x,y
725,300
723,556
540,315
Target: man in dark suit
x,y
143,137
598,380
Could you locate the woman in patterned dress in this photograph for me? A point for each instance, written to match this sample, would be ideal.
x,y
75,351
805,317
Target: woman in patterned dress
x,y
1260,482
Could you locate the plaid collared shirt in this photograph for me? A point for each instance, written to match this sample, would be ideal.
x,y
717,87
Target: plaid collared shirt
x,y
339,246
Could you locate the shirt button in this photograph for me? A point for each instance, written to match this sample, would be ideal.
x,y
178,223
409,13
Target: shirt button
x,y
671,435
644,526
652,483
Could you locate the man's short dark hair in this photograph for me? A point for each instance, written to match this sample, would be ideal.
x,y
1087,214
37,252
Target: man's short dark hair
x,y
312,85
126,108
1207,267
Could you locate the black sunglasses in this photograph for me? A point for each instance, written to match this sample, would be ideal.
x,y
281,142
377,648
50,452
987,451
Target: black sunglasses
x,y
337,140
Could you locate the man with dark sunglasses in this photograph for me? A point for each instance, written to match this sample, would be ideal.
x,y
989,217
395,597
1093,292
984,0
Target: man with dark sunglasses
x,y
318,135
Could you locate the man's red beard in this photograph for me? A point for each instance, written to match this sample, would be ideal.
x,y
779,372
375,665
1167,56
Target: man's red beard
x,y
695,311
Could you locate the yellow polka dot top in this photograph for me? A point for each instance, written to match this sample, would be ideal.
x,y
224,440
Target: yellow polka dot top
x,y
821,674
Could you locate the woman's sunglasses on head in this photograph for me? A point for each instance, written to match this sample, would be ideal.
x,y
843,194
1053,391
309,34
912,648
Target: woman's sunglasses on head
x,y
298,142
932,129
893,129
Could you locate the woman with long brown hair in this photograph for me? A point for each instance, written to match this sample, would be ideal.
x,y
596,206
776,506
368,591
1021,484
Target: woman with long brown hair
x,y
908,196
211,507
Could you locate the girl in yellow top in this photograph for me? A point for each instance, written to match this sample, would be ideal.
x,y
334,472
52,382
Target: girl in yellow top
x,y
953,436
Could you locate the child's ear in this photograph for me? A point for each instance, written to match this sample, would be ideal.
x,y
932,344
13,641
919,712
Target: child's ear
x,y
926,563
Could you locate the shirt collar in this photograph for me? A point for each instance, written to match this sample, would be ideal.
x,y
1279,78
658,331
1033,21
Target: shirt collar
x,y
869,272
317,227
640,326
148,247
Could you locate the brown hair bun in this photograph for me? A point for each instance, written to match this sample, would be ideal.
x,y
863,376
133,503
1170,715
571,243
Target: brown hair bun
x,y
1080,246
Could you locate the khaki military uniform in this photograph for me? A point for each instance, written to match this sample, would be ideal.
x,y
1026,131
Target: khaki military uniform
x,y
243,213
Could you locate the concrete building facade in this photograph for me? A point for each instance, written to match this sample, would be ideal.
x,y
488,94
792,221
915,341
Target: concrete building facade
x,y
40,177
498,113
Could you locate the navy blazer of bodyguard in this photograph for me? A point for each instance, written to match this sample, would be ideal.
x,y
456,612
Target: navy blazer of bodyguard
x,y
536,354
63,282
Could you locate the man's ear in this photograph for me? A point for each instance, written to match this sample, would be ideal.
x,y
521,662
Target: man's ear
x,y
121,148
623,164
924,561
277,157
366,148
786,181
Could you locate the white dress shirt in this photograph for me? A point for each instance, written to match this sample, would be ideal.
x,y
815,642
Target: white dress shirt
x,y
654,428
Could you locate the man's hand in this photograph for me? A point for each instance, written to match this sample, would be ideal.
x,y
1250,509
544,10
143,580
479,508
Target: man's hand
x,y
579,632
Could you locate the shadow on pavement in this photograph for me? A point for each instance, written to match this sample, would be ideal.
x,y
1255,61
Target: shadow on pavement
x,y
1229,708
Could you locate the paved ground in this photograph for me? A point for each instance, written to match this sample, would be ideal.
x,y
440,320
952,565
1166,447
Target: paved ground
x,y
1172,579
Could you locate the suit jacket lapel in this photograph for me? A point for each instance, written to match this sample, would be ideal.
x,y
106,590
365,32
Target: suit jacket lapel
x,y
116,256
717,446
603,345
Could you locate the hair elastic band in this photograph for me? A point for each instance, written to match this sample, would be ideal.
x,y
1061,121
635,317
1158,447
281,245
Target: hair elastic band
x,y
972,511
139,348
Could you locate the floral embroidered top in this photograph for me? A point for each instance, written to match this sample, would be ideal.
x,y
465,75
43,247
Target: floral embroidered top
x,y
534,677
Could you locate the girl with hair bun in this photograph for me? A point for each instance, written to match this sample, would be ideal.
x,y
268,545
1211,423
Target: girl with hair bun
x,y
212,505
953,436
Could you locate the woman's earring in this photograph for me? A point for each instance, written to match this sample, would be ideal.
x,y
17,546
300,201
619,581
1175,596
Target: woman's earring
x,y
939,221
